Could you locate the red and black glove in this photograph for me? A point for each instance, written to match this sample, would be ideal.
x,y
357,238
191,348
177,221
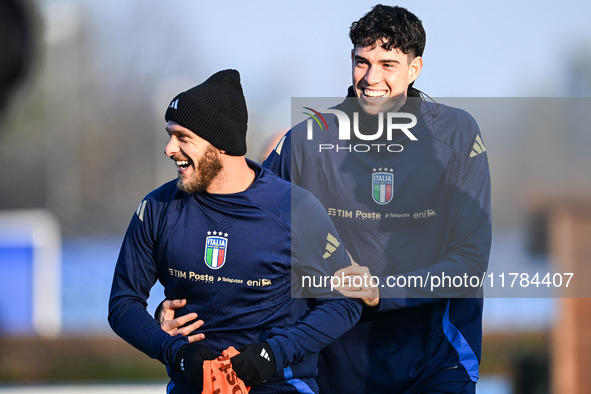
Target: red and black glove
x,y
254,364
190,361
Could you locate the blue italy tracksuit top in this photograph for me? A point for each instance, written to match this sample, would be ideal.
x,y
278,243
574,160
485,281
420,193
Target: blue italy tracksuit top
x,y
231,256
405,208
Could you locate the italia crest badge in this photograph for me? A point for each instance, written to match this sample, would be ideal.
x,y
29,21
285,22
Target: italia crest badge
x,y
382,185
216,246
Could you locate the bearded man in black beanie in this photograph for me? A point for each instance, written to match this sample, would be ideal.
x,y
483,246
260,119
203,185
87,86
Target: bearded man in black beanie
x,y
222,238
216,112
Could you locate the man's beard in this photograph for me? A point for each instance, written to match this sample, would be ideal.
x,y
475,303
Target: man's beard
x,y
207,168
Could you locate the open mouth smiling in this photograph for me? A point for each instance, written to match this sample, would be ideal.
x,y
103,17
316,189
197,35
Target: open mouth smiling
x,y
374,93
182,164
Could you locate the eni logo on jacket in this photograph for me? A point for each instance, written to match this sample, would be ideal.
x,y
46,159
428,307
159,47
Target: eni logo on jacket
x,y
216,246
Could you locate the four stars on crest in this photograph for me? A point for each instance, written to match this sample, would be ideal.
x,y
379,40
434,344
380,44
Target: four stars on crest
x,y
219,233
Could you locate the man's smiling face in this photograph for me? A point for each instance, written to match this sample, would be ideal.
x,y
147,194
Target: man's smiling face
x,y
197,161
381,77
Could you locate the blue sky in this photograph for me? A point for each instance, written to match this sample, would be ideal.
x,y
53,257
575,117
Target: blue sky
x,y
500,48
299,49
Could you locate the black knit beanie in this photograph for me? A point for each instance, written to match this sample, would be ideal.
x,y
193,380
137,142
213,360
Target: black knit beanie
x,y
215,111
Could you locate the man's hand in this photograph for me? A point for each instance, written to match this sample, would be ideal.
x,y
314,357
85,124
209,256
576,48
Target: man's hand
x,y
254,364
190,359
169,324
357,284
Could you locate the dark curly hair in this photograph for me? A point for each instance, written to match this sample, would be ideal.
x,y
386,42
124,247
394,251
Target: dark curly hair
x,y
395,26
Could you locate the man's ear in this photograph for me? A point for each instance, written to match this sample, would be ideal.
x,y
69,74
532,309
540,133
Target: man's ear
x,y
414,69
